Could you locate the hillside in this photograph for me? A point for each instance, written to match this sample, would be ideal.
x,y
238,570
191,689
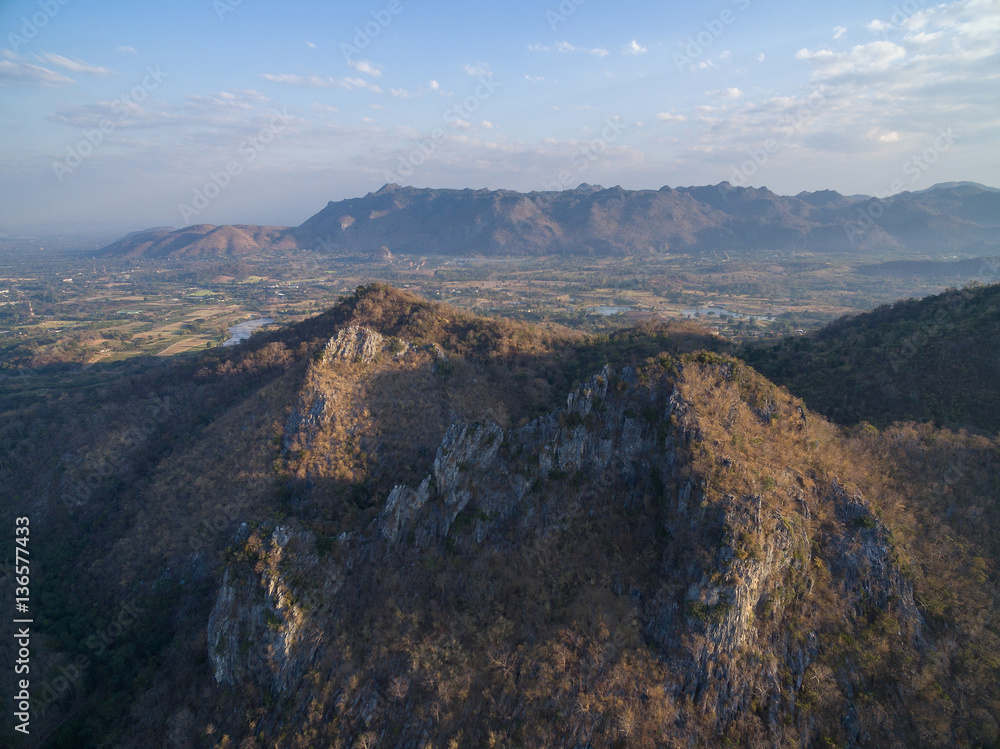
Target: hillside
x,y
396,524
201,240
931,359
597,221
938,270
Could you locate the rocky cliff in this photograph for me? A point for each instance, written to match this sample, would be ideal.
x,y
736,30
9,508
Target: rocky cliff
x,y
672,557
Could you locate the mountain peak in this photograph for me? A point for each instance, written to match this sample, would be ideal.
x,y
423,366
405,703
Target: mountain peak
x,y
965,187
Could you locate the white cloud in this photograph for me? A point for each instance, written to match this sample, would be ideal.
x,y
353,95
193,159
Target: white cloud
x,y
536,78
974,25
725,56
634,48
317,81
238,99
298,80
19,73
469,156
367,67
350,83
726,93
883,136
761,57
431,87
127,50
938,70
878,26
220,115
924,37
839,32
671,117
875,57
567,48
480,69
74,66
311,45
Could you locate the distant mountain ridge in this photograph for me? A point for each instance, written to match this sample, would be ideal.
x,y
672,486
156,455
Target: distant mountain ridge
x,y
199,240
591,220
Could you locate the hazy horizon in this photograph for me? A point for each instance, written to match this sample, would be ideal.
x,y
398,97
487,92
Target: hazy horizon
x,y
116,117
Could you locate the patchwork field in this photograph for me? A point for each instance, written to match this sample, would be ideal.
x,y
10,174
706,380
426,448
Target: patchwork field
x,y
167,308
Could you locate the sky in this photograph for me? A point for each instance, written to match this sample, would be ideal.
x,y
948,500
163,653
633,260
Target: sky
x,y
117,116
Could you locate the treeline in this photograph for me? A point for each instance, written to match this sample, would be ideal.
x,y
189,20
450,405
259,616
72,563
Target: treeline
x,y
929,360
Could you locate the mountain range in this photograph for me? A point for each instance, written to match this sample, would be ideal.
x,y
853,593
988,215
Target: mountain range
x,y
591,220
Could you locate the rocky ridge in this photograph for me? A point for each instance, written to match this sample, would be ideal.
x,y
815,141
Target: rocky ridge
x,y
739,587
594,220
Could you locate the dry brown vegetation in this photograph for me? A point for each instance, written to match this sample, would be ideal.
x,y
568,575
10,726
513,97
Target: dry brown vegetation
x,y
538,631
757,439
543,635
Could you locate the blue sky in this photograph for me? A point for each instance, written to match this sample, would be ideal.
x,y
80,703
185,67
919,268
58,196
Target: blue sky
x,y
118,115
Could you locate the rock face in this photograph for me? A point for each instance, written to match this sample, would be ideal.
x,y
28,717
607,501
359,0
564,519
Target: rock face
x,y
355,344
737,588
258,627
314,408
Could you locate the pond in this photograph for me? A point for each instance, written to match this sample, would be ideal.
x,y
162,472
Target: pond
x,y
608,309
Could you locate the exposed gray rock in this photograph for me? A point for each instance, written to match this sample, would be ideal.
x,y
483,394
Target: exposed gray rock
x,y
262,626
355,344
401,507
